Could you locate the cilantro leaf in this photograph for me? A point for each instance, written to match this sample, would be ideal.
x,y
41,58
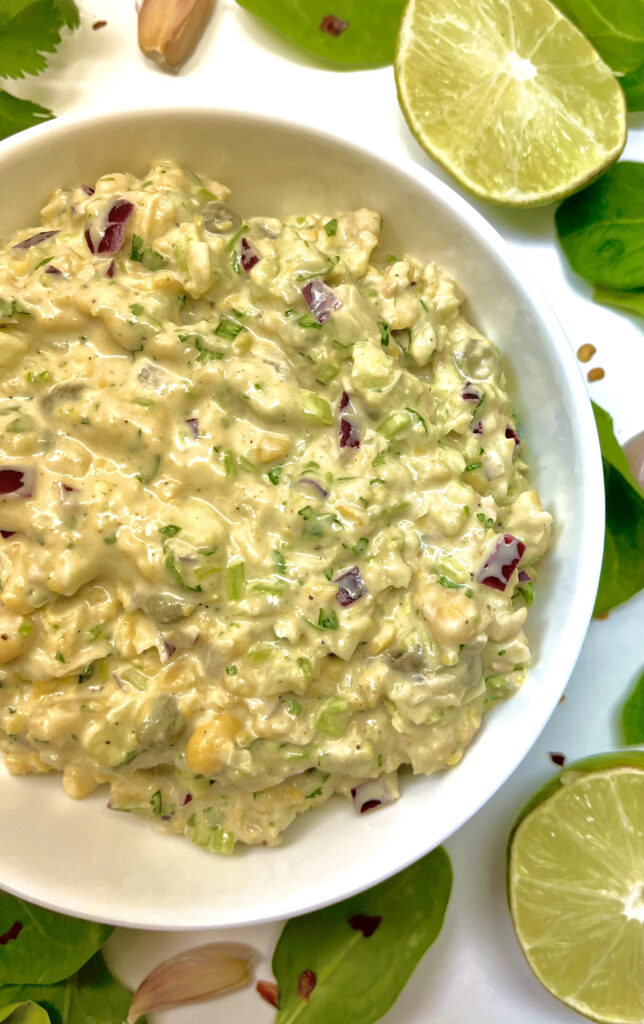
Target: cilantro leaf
x,y
69,13
27,36
16,114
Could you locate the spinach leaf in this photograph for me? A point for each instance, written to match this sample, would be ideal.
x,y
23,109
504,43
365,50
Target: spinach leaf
x,y
631,302
24,1013
633,714
38,947
368,40
92,996
601,228
616,30
622,573
353,959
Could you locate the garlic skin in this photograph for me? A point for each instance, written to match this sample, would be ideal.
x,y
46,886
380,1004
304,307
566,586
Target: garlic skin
x,y
169,30
199,973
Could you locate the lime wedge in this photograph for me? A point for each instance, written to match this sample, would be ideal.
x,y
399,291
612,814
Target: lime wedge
x,y
576,887
508,96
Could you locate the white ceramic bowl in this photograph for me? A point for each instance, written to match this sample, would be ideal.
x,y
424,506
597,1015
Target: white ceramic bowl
x,y
88,861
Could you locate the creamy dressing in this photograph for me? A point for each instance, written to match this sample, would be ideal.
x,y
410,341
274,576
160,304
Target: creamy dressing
x,y
266,528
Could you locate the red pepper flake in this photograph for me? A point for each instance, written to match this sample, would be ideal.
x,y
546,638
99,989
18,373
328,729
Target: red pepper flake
x,y
333,25
305,984
558,759
13,933
270,991
99,24
365,923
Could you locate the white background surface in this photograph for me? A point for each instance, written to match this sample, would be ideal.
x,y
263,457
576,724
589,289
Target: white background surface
x,y
474,973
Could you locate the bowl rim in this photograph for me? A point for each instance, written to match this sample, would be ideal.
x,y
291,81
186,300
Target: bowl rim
x,y
590,468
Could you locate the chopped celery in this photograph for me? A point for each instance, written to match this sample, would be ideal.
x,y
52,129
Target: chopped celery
x,y
268,588
293,707
394,424
135,678
331,227
327,373
278,561
230,464
333,717
315,409
236,581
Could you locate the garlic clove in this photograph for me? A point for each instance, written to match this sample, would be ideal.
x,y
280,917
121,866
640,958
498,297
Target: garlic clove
x,y
198,973
169,30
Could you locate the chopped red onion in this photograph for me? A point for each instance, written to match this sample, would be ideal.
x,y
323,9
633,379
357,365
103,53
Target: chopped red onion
x,y
27,243
478,427
19,482
320,299
49,269
5,534
187,799
349,436
194,426
524,577
87,189
501,562
165,649
111,267
107,238
352,586
248,256
344,401
309,481
510,432
371,794
470,394
120,683
333,25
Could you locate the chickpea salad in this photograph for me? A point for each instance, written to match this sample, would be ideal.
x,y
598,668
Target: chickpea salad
x,y
266,533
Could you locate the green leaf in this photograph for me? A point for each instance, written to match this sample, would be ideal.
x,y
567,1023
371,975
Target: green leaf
x,y
622,573
616,30
601,228
27,36
357,977
633,714
24,1013
46,946
368,41
92,996
631,302
16,114
69,13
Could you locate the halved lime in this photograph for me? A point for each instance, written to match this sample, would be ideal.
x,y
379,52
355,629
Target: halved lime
x,y
576,887
508,96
